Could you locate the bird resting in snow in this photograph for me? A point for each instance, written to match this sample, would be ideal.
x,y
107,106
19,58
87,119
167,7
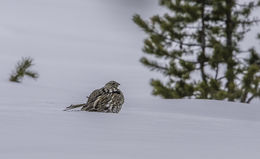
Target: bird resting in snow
x,y
107,99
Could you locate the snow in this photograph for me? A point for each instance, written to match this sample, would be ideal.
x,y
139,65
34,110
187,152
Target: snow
x,y
74,54
155,128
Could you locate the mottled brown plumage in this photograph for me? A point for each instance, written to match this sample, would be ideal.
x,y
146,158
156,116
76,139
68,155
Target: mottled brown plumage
x,y
106,99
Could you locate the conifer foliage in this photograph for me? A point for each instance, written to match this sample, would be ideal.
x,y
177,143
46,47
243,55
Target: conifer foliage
x,y
196,45
22,69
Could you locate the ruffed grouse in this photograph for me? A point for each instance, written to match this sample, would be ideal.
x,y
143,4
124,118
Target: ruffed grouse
x,y
106,99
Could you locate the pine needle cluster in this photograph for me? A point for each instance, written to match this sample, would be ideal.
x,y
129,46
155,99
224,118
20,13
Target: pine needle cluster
x,y
22,69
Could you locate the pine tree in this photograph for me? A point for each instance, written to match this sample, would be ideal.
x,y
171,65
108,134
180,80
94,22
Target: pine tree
x,y
201,37
21,70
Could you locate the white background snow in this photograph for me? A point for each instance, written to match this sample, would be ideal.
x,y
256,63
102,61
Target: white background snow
x,y
78,46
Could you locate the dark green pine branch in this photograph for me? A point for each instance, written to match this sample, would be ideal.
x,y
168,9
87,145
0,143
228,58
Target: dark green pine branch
x,y
22,69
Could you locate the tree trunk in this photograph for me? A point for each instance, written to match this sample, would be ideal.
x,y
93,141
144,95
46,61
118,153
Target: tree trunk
x,y
229,54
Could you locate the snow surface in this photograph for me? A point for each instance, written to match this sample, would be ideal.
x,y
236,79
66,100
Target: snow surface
x,y
38,128
80,45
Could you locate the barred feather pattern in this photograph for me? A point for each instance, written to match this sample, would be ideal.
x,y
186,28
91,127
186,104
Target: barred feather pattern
x,y
106,99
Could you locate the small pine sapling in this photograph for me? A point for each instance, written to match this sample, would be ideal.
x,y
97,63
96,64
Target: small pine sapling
x,y
22,69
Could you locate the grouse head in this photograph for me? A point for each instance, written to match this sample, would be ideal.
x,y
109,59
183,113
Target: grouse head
x,y
112,84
